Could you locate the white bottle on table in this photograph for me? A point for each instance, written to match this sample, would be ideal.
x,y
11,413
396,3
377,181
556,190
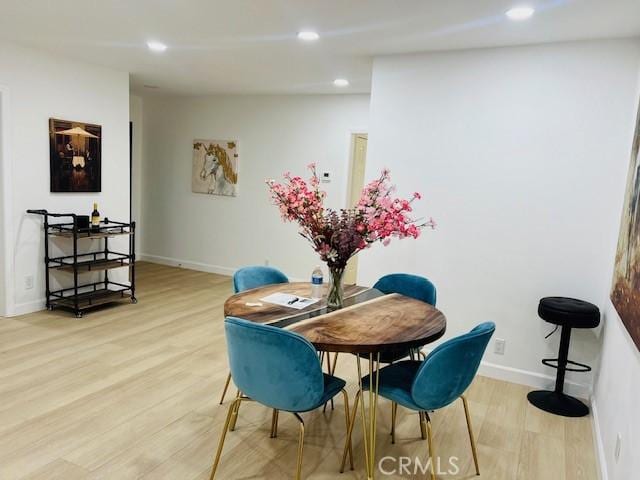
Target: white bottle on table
x,y
316,283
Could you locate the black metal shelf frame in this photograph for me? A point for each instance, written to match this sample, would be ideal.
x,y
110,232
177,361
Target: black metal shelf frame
x,y
84,296
79,263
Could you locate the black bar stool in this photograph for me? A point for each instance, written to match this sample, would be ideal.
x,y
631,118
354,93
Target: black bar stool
x,y
567,313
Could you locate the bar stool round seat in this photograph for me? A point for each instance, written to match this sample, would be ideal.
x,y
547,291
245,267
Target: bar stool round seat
x,y
568,313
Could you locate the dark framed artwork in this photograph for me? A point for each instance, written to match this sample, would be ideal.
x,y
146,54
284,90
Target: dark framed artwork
x,y
625,293
75,156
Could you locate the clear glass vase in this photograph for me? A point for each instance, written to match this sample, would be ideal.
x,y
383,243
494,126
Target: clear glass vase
x,y
335,297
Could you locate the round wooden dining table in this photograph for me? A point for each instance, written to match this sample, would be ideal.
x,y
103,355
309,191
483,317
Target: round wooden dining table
x,y
370,323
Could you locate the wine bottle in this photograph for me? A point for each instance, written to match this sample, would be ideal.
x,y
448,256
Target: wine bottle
x,y
95,218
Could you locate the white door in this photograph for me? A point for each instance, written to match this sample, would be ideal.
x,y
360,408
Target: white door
x,y
3,290
356,184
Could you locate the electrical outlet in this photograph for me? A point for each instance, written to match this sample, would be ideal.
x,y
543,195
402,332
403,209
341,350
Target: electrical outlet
x,y
28,282
618,447
499,346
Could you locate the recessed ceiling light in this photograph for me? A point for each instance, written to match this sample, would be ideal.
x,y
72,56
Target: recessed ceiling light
x,y
520,13
341,82
156,46
308,35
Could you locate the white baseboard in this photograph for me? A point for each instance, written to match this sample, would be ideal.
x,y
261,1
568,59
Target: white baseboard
x,y
27,307
598,443
529,378
532,379
199,266
191,265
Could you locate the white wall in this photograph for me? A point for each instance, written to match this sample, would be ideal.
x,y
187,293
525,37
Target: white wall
x,y
522,155
617,390
275,134
616,395
41,86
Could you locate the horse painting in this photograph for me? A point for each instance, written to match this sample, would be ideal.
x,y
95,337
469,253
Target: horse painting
x,y
625,293
215,167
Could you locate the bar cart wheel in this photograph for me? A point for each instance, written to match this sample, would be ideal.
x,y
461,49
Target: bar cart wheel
x,y
78,314
134,300
50,308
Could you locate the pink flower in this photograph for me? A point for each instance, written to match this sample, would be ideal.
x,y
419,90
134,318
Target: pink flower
x,y
338,235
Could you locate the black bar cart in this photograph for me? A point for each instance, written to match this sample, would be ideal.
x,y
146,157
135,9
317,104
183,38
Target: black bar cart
x,y
83,296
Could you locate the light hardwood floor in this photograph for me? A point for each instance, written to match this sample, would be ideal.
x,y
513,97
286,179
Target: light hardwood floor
x,y
132,392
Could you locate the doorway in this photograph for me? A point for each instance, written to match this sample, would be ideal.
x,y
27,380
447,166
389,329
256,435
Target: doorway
x,y
356,184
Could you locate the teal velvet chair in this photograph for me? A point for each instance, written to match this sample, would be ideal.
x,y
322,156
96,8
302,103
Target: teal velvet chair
x,y
434,383
248,278
408,285
412,286
279,369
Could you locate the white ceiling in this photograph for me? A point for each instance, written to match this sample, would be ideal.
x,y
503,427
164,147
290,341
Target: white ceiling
x,y
250,46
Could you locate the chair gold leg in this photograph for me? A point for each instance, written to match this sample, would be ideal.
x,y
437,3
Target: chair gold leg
x,y
222,437
365,430
432,456
300,447
346,418
423,426
347,443
226,386
274,423
234,415
330,372
471,437
422,354
370,431
376,365
394,413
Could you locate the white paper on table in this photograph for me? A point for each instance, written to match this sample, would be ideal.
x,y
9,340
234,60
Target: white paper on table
x,y
288,300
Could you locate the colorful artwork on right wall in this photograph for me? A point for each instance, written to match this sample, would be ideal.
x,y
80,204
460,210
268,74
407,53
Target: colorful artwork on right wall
x,y
625,293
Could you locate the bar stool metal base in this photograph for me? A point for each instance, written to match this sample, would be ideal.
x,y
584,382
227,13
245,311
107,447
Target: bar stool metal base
x,y
558,403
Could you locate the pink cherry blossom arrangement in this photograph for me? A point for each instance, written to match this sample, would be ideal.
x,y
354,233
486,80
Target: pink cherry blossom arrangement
x,y
338,235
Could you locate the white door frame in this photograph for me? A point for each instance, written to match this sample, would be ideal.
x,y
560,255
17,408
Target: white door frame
x,y
6,197
348,169
349,164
